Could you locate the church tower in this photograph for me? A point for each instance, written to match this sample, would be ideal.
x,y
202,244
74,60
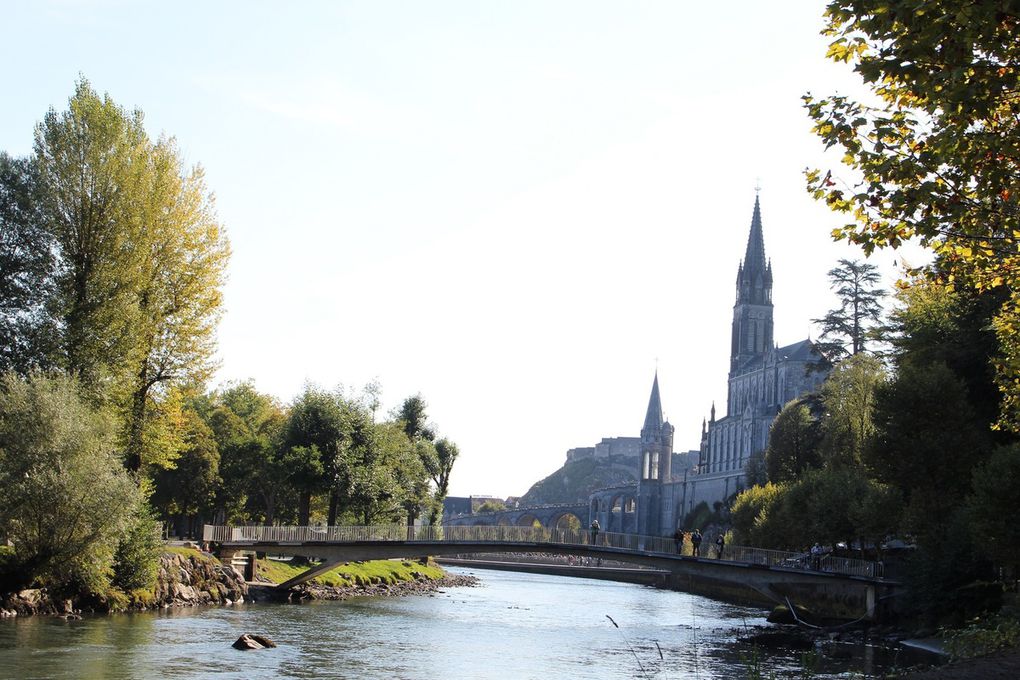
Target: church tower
x,y
752,312
656,464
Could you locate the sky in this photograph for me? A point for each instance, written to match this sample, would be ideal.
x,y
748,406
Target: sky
x,y
520,210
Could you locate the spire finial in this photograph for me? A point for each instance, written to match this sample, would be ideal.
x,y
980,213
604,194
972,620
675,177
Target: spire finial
x,y
757,185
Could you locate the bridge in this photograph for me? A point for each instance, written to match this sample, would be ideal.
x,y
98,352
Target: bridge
x,y
839,588
559,516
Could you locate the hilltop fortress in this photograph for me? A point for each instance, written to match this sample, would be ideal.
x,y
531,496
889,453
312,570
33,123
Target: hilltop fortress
x,y
762,378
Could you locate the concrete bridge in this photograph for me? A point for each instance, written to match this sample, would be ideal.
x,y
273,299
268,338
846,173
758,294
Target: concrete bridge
x,y
837,589
547,516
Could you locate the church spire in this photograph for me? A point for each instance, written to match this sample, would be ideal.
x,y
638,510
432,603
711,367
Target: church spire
x,y
752,313
754,258
653,417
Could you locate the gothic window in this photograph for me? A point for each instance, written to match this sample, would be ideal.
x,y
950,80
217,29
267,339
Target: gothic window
x,y
630,505
646,465
655,466
750,338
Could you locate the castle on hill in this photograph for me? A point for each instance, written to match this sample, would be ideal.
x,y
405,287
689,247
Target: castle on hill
x,y
762,378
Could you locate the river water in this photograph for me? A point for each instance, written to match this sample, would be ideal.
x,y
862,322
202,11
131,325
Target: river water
x,y
512,626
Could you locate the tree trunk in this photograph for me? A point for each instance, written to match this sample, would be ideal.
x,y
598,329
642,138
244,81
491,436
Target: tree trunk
x,y
304,508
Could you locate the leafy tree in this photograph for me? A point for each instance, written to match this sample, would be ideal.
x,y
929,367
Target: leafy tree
x,y
320,427
492,506
88,159
793,440
440,468
248,428
750,512
178,294
141,259
859,310
66,502
926,445
136,561
26,269
415,421
995,505
189,488
935,160
848,395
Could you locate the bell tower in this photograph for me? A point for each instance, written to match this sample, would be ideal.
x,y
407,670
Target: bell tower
x,y
752,311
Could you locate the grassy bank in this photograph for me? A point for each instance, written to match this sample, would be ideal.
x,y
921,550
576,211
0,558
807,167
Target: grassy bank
x,y
349,574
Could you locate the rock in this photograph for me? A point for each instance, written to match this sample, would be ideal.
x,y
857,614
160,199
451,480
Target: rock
x,y
249,641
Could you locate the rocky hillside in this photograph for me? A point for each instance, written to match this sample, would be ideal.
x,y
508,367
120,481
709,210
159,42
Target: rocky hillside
x,y
573,482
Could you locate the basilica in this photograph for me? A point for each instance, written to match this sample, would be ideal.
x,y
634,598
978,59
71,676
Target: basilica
x,y
762,378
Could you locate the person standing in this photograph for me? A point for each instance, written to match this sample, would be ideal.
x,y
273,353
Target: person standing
x,y
594,530
696,543
720,543
678,536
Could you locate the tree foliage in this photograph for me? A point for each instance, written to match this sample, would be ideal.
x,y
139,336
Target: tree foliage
x,y
66,502
794,440
859,312
936,158
26,269
140,258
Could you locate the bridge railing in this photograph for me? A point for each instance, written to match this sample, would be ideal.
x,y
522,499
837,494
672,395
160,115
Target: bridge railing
x,y
532,535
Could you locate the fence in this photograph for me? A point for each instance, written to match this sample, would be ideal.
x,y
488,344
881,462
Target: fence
x,y
531,536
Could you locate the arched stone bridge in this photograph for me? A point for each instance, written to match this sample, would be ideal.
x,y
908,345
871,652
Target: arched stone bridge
x,y
837,588
544,516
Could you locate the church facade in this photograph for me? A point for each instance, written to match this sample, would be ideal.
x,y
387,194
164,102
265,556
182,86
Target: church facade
x,y
762,378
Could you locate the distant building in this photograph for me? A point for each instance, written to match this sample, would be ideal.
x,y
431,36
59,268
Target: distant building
x,y
609,447
762,378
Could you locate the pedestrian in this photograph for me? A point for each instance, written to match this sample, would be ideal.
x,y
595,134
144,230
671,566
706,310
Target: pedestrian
x,y
816,556
678,536
696,543
594,530
720,543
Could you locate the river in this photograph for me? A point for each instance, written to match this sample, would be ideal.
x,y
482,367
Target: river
x,y
513,626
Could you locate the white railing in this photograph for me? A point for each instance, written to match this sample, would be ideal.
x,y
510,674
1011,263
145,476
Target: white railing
x,y
534,535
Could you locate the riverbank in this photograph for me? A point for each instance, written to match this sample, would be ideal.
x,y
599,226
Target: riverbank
x,y
391,578
1001,665
187,577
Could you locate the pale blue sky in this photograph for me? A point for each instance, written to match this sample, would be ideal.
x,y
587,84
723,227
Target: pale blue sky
x,y
513,208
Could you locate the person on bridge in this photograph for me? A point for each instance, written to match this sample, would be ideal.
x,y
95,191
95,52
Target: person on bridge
x,y
720,543
594,530
696,543
678,536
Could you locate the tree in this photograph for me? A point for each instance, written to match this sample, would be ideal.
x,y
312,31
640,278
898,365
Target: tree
x,y
248,428
26,269
89,159
440,469
141,259
995,505
936,159
927,442
793,440
178,294
66,502
189,488
848,395
858,313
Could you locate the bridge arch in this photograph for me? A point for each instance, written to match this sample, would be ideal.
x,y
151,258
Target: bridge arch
x,y
567,521
528,520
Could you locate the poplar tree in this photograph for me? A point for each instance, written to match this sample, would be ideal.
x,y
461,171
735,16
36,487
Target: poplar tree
x,y
141,260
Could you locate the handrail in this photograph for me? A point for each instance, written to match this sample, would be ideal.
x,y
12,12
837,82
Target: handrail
x,y
530,536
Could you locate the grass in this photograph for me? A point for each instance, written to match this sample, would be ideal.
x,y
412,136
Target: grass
x,y
352,573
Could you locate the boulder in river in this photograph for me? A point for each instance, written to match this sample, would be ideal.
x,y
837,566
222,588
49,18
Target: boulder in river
x,y
249,641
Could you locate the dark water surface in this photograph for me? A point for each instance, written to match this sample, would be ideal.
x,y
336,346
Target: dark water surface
x,y
512,626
